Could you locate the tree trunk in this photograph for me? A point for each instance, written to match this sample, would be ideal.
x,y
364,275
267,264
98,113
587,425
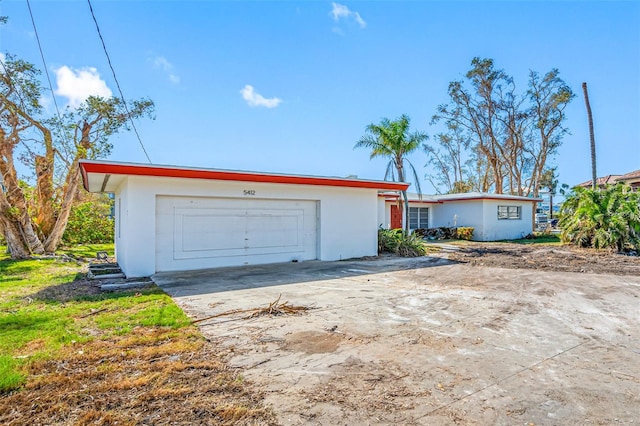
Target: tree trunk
x,y
13,208
406,211
13,238
70,190
45,194
594,175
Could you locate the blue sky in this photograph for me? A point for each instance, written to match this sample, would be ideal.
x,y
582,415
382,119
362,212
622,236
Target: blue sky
x,y
289,86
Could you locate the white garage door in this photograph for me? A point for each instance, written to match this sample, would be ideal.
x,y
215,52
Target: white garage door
x,y
196,233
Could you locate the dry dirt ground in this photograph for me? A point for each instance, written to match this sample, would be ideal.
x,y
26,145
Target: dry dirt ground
x,y
479,334
541,257
153,376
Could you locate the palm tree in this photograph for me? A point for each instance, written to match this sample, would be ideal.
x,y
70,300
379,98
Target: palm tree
x,y
392,139
592,139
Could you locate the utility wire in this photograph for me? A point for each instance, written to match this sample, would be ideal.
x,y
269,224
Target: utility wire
x,y
44,63
113,72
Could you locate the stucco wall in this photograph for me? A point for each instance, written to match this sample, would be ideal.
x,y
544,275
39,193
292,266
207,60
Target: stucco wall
x,y
347,216
481,214
460,213
384,213
506,229
121,210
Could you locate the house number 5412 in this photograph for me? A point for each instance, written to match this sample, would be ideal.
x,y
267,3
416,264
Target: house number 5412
x,y
249,192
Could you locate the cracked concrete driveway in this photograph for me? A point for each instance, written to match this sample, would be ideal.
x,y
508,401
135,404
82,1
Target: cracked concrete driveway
x,y
427,341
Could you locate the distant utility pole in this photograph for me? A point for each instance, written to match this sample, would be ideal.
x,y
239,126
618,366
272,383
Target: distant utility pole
x,y
594,176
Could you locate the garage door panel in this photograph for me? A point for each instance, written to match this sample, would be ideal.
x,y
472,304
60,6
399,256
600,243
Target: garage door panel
x,y
197,230
197,233
275,229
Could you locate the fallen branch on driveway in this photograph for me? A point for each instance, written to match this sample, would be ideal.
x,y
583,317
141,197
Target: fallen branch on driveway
x,y
274,308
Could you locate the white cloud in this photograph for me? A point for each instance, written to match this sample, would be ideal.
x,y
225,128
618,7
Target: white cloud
x,y
78,84
255,99
162,63
340,11
2,57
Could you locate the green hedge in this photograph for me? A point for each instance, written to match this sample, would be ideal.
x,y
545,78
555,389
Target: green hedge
x,y
89,223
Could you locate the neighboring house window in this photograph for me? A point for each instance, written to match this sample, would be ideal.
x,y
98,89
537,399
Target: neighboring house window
x,y
418,217
509,212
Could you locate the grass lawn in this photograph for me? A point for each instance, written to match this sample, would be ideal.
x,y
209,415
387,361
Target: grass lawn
x,y
70,353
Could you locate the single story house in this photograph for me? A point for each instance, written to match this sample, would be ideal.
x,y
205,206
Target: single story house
x,y
493,216
171,218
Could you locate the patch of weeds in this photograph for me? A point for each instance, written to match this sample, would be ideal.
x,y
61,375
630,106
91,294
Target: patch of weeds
x,y
538,238
69,353
154,374
151,308
10,377
88,251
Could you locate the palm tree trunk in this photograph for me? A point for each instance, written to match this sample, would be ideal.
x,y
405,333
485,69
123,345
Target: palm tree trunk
x,y
406,211
594,176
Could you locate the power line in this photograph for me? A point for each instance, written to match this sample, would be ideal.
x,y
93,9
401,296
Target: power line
x,y
44,63
113,72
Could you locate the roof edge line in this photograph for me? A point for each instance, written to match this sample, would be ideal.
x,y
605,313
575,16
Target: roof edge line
x,y
92,166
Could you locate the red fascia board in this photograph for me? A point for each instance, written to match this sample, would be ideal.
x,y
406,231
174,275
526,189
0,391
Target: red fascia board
x,y
162,171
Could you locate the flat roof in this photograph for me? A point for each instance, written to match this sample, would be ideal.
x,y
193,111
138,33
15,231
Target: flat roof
x,y
467,196
105,176
484,196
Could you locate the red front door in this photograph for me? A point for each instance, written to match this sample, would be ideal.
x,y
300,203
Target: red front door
x,y
396,217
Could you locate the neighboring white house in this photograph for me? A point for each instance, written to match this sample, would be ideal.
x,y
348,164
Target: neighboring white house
x,y
172,218
493,216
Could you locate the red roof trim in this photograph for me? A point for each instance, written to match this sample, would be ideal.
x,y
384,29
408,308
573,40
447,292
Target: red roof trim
x,y
176,172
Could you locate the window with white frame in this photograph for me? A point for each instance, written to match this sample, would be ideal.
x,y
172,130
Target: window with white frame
x,y
418,217
509,212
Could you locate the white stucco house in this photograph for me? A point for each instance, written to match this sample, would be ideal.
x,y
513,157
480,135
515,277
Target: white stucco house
x,y
493,216
171,218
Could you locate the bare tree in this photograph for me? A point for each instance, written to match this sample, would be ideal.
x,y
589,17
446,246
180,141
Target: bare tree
x,y
52,148
511,135
451,161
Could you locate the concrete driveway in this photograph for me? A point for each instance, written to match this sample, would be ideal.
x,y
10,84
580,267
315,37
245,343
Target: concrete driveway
x,y
426,341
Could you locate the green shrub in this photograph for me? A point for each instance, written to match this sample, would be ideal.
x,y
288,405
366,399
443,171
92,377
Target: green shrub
x,y
89,223
398,242
606,218
389,240
448,233
464,233
411,245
